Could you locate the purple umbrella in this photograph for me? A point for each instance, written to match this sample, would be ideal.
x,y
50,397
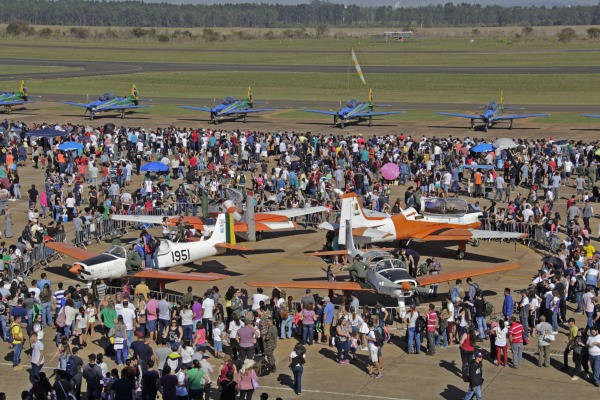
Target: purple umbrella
x,y
390,171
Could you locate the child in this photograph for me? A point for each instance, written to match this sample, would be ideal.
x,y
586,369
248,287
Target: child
x,y
353,346
217,339
107,383
90,315
101,363
82,325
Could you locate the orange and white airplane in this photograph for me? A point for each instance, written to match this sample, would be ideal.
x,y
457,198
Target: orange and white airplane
x,y
372,227
386,275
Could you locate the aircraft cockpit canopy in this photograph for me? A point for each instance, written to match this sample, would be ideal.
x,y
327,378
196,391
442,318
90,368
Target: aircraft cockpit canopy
x,y
378,260
117,251
227,101
107,96
390,263
442,206
352,103
492,106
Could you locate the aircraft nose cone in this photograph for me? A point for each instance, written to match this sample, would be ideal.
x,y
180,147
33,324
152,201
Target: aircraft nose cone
x,y
76,269
406,286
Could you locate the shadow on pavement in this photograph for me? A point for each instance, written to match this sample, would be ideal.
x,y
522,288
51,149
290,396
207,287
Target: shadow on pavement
x,y
452,392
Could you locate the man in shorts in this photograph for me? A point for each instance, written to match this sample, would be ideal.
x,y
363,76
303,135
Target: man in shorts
x,y
373,352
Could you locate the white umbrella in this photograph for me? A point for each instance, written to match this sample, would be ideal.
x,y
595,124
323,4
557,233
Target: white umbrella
x,y
504,143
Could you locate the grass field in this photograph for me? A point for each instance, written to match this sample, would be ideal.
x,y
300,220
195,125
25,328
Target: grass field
x,y
414,88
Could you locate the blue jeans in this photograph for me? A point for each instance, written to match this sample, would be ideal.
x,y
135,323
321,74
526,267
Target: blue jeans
x,y
34,374
342,348
297,370
414,337
30,317
555,321
188,332
4,328
149,261
308,332
122,353
129,340
595,361
579,298
590,320
17,354
442,335
287,323
46,314
473,391
482,326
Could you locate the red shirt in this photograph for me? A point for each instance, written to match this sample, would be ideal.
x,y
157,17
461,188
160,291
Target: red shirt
x,y
431,321
515,333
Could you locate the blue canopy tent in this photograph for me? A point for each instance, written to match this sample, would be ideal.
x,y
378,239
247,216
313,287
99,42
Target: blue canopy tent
x,y
482,148
154,166
47,133
70,146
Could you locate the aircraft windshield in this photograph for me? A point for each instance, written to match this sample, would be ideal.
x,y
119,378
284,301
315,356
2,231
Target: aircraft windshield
x,y
116,251
107,96
390,263
443,206
227,100
351,103
492,106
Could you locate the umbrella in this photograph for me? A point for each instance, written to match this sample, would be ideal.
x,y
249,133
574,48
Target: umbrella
x,y
562,142
154,166
482,148
46,132
70,146
555,261
504,143
390,171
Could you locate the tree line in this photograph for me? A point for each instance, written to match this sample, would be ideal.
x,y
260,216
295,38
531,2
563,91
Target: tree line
x,y
315,14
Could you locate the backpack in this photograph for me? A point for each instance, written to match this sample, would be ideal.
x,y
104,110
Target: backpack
x,y
153,244
580,284
71,367
421,324
488,309
465,372
379,339
455,294
61,318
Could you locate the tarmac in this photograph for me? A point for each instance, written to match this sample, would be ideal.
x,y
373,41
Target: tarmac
x,y
280,256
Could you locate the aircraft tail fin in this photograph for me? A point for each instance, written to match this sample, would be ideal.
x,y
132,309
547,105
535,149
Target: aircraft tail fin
x,y
501,96
23,89
351,211
371,96
249,97
134,92
223,231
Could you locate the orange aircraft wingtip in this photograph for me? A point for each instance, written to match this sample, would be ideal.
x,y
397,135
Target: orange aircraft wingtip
x,y
465,273
233,247
72,251
325,285
328,253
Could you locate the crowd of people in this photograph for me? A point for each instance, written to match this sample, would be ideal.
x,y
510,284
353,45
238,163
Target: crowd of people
x,y
174,341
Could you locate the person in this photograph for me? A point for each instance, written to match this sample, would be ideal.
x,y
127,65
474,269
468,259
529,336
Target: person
x,y
119,333
228,387
309,317
92,373
373,347
37,357
593,345
168,384
328,316
577,345
246,336
500,343
467,348
297,360
515,335
134,260
475,377
508,305
358,270
123,388
432,321
270,340
342,341
41,388
543,332
62,386
573,331
414,334
195,379
17,342
247,380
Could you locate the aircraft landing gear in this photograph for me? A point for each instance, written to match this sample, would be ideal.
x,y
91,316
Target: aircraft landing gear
x,y
486,127
370,118
472,124
258,236
245,117
462,249
342,124
123,114
335,121
91,115
510,124
8,109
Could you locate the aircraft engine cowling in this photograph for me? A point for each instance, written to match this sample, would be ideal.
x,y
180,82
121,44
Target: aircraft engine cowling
x,y
230,207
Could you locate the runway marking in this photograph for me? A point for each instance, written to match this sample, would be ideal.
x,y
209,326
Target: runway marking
x,y
334,393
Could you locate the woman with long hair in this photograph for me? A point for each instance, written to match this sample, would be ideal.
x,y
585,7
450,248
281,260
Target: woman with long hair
x,y
200,337
443,325
63,352
233,328
229,295
467,345
501,343
247,380
297,360
342,340
119,333
287,318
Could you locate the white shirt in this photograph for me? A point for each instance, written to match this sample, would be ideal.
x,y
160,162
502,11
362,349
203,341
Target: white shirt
x,y
233,329
371,344
208,306
594,350
500,336
128,318
257,298
451,311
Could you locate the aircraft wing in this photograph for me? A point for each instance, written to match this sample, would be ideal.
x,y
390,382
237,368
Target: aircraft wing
x,y
485,234
232,247
251,110
520,116
328,226
177,276
148,219
375,235
328,253
295,212
71,103
374,114
321,112
197,108
452,234
354,286
590,115
72,251
123,107
242,227
471,116
13,103
465,273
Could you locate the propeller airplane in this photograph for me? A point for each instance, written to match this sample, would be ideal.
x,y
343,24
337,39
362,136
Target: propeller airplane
x,y
110,102
9,100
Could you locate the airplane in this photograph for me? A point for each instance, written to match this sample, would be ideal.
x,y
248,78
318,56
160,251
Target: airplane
x,y
231,108
263,221
8,100
590,115
354,110
386,275
111,264
493,114
371,226
111,102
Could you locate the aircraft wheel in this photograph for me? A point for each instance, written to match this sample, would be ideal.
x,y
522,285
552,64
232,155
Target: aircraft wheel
x,y
342,125
475,243
216,121
258,236
460,254
369,122
91,116
510,126
486,127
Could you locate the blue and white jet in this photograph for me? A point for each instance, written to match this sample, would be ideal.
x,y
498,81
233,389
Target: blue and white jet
x,y
231,108
493,114
111,102
354,110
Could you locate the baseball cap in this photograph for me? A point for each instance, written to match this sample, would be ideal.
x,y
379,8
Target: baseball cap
x,y
308,290
478,354
326,299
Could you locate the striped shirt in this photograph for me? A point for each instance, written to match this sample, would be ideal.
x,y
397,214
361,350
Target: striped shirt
x,y
59,295
101,289
516,333
432,318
